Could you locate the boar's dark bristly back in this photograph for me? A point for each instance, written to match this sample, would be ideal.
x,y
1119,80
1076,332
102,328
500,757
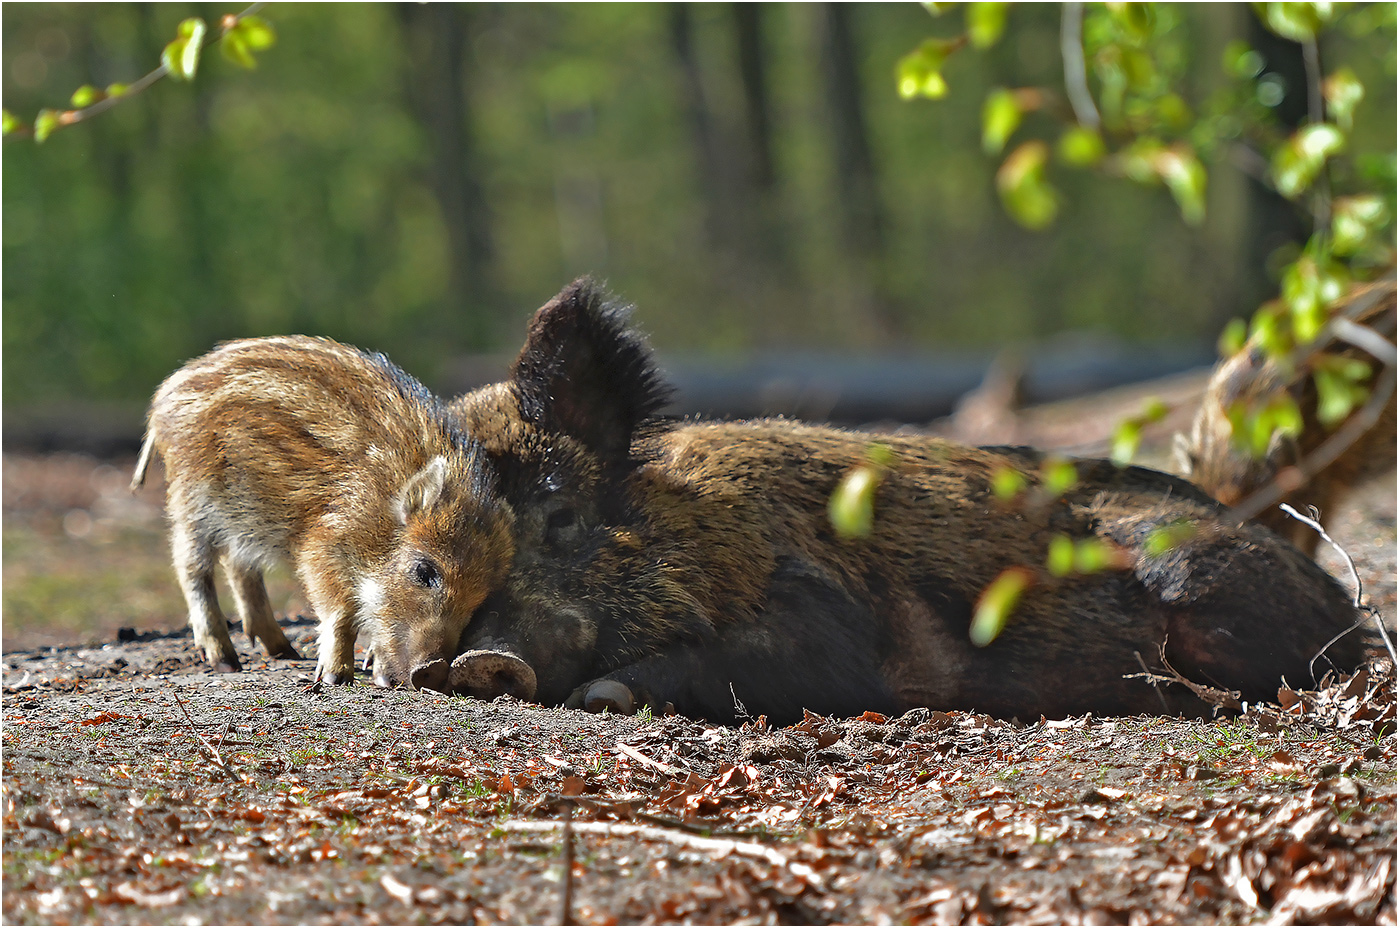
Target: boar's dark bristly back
x,y
585,373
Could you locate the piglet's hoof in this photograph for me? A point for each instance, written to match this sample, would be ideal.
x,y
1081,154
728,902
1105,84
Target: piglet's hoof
x,y
613,696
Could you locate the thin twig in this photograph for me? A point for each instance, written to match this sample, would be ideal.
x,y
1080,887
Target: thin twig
x,y
1326,453
1365,338
635,755
1356,578
205,749
1151,679
73,117
566,899
1072,51
719,847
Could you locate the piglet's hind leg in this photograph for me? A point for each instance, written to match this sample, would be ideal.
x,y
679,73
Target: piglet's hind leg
x,y
194,564
250,596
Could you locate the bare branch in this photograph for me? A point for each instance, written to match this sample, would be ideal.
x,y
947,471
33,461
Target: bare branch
x,y
208,751
1326,453
1076,80
73,117
1364,338
719,847
1356,578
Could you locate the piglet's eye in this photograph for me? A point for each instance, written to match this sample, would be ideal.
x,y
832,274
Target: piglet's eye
x,y
425,573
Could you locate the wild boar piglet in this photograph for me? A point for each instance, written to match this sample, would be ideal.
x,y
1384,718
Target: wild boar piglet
x,y
304,449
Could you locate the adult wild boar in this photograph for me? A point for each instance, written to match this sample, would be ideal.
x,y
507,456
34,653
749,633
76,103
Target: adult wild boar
x,y
693,563
1216,459
302,448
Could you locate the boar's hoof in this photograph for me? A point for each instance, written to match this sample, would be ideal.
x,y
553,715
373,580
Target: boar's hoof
x,y
227,665
614,696
430,675
488,674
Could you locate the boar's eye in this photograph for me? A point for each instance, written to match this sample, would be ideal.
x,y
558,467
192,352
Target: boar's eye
x,y
564,528
425,573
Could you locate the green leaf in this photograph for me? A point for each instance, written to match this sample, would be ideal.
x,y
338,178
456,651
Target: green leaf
x,y
1057,475
257,32
45,123
1267,329
1242,61
116,90
1007,483
233,47
920,73
1154,410
1309,287
985,23
9,123
1139,160
852,506
997,602
1185,177
1136,20
1297,163
181,56
938,9
1342,91
1093,555
249,34
1297,21
1023,189
1356,221
1232,337
1001,114
1059,556
1335,397
1126,439
1081,147
1169,536
85,96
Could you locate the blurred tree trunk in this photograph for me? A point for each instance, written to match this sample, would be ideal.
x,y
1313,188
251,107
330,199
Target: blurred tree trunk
x,y
436,72
748,35
762,219
862,218
716,191
1273,220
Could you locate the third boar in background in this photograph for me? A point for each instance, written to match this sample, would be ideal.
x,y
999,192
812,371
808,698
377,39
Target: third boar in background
x,y
694,563
302,448
1215,459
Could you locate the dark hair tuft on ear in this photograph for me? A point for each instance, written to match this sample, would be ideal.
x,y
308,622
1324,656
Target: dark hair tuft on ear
x,y
585,372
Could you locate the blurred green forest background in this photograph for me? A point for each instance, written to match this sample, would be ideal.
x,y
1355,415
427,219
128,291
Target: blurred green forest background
x,y
418,178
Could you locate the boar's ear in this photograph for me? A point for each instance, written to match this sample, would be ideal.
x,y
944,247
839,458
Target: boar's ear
x,y
583,372
422,490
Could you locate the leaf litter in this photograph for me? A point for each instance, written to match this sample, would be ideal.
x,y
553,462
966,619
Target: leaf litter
x,y
139,788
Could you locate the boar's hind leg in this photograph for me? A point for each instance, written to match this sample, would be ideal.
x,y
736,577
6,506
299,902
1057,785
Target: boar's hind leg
x,y
194,563
813,647
250,596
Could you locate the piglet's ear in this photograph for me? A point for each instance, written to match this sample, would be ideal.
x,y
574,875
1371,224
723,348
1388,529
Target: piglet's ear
x,y
584,373
422,490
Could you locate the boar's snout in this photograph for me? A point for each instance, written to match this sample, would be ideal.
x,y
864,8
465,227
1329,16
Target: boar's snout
x,y
488,674
430,675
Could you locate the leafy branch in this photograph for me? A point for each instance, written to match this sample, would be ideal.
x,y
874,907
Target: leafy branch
x,y
240,35
1124,65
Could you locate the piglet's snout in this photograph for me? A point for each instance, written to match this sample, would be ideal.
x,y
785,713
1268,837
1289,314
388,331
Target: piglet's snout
x,y
488,674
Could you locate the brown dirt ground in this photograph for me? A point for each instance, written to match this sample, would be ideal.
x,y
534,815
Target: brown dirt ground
x,y
139,788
